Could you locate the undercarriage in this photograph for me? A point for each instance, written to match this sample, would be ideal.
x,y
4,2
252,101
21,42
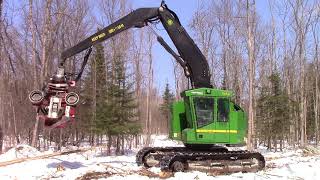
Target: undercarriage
x,y
217,159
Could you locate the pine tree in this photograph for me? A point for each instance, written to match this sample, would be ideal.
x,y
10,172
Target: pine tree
x,y
100,90
120,110
273,109
94,93
165,107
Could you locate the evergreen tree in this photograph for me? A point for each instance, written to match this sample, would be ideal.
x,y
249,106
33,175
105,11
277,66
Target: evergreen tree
x,y
110,103
119,113
273,109
100,88
165,107
94,93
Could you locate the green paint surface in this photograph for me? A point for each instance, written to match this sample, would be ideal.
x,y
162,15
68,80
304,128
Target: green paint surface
x,y
207,116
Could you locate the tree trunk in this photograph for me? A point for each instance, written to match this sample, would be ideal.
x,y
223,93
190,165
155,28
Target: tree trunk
x,y
44,67
60,140
109,144
1,112
122,144
14,121
250,42
33,32
1,139
45,44
149,93
118,145
317,96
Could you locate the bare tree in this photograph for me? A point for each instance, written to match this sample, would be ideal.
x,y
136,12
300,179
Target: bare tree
x,y
302,17
32,29
44,61
34,64
203,25
250,42
149,91
316,66
1,100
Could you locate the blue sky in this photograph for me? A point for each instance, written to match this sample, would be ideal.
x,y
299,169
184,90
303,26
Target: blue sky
x,y
163,66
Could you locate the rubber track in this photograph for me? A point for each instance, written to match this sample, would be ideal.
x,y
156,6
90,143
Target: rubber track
x,y
183,154
145,151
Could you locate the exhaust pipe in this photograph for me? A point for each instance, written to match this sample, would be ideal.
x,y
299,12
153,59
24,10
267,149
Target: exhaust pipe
x,y
36,97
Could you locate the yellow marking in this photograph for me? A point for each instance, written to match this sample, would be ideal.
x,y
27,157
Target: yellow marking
x,y
225,93
169,22
98,37
118,27
110,31
216,131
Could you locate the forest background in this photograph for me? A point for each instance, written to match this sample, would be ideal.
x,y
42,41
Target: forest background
x,y
267,52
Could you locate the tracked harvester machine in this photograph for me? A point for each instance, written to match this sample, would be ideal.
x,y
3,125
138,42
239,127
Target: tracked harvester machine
x,y
205,120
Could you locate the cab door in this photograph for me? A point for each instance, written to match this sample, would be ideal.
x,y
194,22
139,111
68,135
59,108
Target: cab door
x,y
204,119
222,123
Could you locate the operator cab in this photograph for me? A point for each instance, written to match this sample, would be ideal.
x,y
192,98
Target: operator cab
x,y
208,116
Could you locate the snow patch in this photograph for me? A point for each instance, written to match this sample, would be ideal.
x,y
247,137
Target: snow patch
x,y
289,164
164,141
20,151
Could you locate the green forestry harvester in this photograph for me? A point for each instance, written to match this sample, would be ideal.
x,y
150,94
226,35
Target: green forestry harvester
x,y
205,120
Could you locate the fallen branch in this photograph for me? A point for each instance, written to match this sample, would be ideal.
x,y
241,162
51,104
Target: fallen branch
x,y
118,172
20,160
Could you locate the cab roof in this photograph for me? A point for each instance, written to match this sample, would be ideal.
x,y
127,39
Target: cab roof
x,y
207,92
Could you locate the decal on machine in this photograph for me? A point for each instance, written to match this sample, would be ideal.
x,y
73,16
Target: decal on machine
x,y
216,131
118,27
98,37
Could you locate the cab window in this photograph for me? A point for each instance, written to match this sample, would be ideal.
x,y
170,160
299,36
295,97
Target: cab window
x,y
223,110
204,107
187,114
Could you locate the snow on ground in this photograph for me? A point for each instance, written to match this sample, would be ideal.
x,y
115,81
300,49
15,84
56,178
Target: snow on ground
x,y
20,151
163,141
290,164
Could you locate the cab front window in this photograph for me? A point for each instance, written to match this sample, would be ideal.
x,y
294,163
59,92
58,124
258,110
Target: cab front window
x,y
204,108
